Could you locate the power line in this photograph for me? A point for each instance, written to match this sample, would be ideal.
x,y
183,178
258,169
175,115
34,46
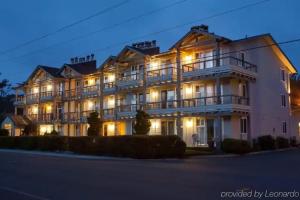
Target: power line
x,y
64,27
100,30
180,25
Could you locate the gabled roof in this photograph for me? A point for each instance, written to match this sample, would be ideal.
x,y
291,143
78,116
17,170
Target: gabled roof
x,y
194,31
107,61
52,71
18,120
84,68
276,48
142,52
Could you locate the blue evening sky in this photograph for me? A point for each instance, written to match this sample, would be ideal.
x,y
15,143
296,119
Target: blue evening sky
x,y
21,21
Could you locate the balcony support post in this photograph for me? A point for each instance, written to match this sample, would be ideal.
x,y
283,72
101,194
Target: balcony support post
x,y
218,57
101,97
218,137
178,93
144,84
68,99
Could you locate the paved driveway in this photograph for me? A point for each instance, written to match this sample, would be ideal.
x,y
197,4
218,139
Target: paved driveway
x,y
25,176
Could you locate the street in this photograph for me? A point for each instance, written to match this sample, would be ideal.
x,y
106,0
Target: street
x,y
26,177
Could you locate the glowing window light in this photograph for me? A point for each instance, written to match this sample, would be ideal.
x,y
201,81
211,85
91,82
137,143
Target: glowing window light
x,y
188,59
90,105
111,78
35,90
189,123
35,110
49,87
154,65
49,108
111,127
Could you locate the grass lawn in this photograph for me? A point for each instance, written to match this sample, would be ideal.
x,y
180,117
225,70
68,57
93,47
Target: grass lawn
x,y
197,151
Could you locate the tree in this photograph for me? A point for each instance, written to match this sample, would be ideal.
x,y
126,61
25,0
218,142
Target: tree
x,y
142,123
94,124
5,87
30,129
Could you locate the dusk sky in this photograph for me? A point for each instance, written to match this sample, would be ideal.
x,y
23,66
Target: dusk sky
x,y
22,21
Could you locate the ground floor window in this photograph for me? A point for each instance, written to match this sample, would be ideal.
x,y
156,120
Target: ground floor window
x,y
243,125
284,127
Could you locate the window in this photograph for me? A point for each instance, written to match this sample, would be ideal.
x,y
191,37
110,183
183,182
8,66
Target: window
x,y
282,75
284,127
243,125
283,100
241,57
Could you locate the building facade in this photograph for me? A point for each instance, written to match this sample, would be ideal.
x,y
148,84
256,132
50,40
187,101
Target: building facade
x,y
204,88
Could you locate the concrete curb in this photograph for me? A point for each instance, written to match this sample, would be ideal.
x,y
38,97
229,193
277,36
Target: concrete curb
x,y
249,154
64,155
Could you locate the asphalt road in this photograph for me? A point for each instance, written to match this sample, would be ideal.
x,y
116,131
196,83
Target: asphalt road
x,y
36,177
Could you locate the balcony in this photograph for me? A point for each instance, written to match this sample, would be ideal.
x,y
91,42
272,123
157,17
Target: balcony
x,y
20,101
85,114
225,103
162,107
46,118
32,98
90,91
71,94
130,81
47,96
128,111
163,75
227,66
71,117
108,113
109,87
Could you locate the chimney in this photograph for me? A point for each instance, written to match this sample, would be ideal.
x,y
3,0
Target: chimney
x,y
202,27
92,56
72,60
76,60
88,58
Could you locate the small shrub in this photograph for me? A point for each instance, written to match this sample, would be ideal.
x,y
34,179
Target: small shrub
x,y
282,142
52,133
142,123
4,132
293,141
266,142
236,146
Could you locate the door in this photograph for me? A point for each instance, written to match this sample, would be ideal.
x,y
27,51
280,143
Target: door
x,y
167,127
201,131
171,126
200,95
210,131
209,94
105,130
164,99
164,128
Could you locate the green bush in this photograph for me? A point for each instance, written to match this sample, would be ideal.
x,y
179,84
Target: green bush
x,y
129,146
236,146
266,142
122,146
4,132
282,143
